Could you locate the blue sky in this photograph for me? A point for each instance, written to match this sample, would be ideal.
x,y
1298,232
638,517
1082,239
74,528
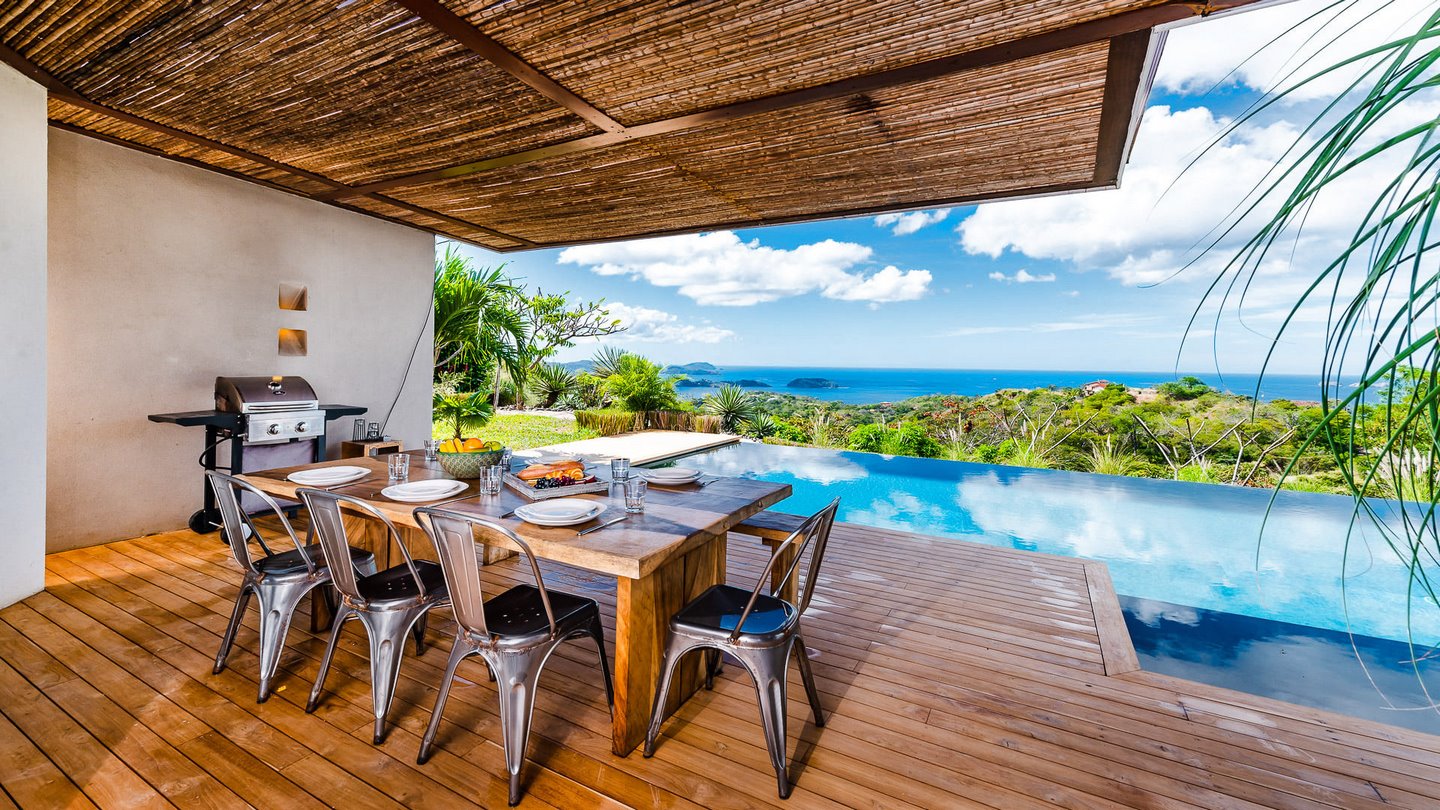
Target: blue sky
x,y
1079,281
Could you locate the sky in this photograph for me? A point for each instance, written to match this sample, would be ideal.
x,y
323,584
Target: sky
x,y
1098,280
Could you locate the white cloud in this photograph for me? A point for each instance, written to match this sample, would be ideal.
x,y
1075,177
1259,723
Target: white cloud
x,y
908,223
1308,35
1023,276
719,269
657,326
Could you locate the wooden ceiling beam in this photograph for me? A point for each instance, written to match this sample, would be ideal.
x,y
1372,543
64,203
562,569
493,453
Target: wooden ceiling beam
x,y
456,27
64,93
1108,28
1129,71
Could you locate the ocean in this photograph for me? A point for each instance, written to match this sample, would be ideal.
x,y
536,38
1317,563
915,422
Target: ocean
x,y
863,386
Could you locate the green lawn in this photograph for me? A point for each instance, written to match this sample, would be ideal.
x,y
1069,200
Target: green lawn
x,y
522,431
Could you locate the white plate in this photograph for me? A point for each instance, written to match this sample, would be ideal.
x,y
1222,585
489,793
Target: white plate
x,y
670,475
328,476
559,511
423,491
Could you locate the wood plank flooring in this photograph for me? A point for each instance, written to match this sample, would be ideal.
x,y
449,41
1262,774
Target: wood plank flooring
x,y
954,675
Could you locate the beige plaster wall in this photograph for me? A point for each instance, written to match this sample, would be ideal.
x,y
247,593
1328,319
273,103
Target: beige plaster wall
x,y
22,336
163,276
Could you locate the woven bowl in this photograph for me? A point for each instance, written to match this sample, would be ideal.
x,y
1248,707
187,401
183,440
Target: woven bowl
x,y
470,463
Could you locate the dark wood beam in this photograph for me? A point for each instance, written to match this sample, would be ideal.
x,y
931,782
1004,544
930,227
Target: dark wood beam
x,y
455,27
1130,68
1132,22
765,222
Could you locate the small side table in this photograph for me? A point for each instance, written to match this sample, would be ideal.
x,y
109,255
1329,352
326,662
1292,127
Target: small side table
x,y
378,447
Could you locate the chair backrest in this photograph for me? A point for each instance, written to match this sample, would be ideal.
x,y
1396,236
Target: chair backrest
x,y
329,523
454,537
240,527
811,537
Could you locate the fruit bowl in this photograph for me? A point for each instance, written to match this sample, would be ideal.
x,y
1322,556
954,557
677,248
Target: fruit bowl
x,y
468,463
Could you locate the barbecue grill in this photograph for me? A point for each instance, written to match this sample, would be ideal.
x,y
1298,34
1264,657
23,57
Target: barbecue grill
x,y
269,422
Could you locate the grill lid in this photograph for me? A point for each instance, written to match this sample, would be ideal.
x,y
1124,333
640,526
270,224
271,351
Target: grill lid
x,y
263,394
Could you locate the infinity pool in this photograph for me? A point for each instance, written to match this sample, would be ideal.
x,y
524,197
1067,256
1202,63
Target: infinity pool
x,y
1204,596
1195,545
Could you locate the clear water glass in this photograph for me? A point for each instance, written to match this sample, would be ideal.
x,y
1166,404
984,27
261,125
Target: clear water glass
x,y
505,456
431,447
620,469
635,495
399,466
490,479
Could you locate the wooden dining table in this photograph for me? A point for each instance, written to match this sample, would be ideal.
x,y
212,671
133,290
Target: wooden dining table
x,y
661,559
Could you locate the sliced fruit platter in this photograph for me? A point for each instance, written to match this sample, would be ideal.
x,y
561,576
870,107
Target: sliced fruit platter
x,y
555,479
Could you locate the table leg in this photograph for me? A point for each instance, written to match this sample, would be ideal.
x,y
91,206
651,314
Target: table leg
x,y
643,608
787,590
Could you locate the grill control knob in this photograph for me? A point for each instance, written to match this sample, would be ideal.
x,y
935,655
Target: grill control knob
x,y
273,430
301,427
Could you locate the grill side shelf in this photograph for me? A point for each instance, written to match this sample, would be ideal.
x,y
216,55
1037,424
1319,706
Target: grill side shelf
x,y
210,418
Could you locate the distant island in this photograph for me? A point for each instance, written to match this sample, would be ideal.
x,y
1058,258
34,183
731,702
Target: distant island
x,y
693,369
751,383
689,383
812,382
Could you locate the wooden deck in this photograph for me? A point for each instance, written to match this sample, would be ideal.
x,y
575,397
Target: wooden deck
x,y
954,675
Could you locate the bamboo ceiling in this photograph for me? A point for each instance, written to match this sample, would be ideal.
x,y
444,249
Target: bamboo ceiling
x,y
534,123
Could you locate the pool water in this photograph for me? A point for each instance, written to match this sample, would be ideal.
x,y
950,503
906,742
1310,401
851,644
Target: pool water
x,y
1196,548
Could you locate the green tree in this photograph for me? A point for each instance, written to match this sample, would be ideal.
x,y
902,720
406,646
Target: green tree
x,y
465,413
1187,387
479,327
551,383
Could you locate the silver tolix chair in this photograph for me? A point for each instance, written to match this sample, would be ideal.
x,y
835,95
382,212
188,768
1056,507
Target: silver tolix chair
x,y
757,628
391,604
278,580
515,632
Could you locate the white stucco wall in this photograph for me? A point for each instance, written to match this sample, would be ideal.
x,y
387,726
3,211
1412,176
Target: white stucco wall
x,y
163,276
23,131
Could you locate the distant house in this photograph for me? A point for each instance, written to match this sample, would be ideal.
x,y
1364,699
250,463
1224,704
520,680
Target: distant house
x,y
1092,388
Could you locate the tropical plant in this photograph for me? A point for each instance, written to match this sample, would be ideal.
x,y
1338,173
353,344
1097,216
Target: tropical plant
x,y
1107,458
638,385
760,425
465,413
733,404
609,421
478,326
1379,294
817,425
550,383
606,361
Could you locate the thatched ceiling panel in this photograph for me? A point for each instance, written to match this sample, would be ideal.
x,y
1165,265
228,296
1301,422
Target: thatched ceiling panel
x,y
354,91
582,198
642,61
1023,125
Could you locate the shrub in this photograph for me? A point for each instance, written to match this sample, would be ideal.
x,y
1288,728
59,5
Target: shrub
x,y
637,385
911,440
552,383
866,438
733,404
1187,387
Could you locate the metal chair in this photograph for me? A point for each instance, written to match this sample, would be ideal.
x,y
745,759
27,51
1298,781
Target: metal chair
x,y
278,580
515,632
392,604
760,630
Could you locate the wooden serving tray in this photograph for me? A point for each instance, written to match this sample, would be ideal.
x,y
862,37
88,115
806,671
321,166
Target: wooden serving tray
x,y
524,488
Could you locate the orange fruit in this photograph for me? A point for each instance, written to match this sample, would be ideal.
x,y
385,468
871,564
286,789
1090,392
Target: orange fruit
x,y
474,444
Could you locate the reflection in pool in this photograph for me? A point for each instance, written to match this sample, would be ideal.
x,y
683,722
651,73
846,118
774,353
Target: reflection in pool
x,y
1284,661
1192,545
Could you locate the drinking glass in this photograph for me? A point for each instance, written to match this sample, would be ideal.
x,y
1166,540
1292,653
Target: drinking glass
x,y
399,464
635,495
490,479
505,456
431,446
620,469
358,432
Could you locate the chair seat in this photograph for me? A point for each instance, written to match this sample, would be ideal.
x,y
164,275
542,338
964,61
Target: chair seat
x,y
519,611
396,583
718,610
290,562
